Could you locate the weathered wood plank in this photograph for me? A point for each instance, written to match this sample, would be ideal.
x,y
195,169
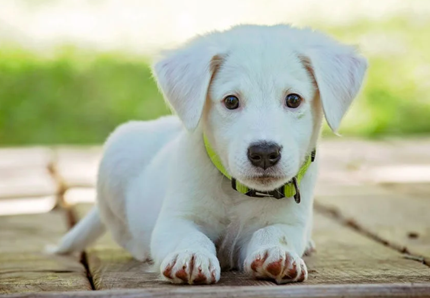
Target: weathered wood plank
x,y
396,213
326,291
344,257
343,160
350,152
77,166
30,182
24,172
354,189
414,189
78,195
349,161
26,185
30,205
23,265
401,220
404,173
411,150
107,261
24,158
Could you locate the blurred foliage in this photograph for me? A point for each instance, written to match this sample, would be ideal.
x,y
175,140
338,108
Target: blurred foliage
x,y
72,97
395,99
78,97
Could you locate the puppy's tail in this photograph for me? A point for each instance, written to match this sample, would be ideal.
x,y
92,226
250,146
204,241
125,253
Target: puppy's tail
x,y
85,232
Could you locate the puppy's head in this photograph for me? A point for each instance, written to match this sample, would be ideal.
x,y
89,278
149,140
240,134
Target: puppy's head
x,y
261,93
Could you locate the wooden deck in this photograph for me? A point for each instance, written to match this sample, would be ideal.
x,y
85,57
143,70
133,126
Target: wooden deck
x,y
372,228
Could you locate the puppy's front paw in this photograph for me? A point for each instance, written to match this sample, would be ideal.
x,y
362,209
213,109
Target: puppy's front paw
x,y
191,268
277,264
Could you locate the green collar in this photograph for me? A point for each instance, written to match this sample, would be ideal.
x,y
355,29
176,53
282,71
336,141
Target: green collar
x,y
290,189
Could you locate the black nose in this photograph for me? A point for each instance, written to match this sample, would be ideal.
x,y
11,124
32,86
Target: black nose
x,y
264,154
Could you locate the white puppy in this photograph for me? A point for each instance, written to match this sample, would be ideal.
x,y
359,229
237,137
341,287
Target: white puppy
x,y
255,95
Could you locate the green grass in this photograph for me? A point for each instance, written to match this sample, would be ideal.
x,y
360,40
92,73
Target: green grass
x,y
78,97
395,99
72,98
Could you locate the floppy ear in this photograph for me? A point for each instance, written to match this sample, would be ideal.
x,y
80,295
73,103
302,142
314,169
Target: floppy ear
x,y
338,72
183,76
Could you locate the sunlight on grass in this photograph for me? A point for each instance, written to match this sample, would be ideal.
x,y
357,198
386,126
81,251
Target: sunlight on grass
x,y
395,98
72,98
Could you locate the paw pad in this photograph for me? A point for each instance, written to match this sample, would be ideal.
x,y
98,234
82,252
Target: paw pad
x,y
191,268
277,264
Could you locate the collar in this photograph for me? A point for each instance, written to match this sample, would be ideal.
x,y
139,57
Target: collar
x,y
289,189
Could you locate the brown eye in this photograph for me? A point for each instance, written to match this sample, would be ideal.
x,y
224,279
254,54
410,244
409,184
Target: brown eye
x,y
231,102
293,100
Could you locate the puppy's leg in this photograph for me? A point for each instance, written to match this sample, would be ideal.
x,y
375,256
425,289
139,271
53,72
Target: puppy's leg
x,y
121,234
186,254
310,247
274,252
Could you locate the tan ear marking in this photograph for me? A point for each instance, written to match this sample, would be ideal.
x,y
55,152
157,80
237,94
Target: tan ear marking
x,y
337,72
215,63
308,66
214,66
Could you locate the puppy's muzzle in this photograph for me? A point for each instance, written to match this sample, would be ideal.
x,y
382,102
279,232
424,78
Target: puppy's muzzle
x,y
264,154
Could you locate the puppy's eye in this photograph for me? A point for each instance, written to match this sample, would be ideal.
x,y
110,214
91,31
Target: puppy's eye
x,y
293,100
231,102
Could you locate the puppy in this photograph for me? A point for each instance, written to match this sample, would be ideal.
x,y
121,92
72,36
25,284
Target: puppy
x,y
228,182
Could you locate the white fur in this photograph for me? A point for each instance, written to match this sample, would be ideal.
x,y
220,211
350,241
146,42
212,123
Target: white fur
x,y
160,195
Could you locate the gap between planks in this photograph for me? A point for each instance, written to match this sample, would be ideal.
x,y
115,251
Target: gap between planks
x,y
83,257
325,211
354,225
61,185
71,218
319,209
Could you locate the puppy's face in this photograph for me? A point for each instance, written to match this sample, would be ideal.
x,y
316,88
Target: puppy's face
x,y
262,115
261,92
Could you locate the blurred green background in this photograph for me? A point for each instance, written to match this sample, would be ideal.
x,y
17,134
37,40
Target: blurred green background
x,y
78,96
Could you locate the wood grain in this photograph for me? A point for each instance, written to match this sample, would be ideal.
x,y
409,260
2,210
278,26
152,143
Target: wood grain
x,y
415,189
344,257
78,195
30,182
352,221
14,206
23,265
327,291
402,221
25,157
24,173
351,152
77,166
352,161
